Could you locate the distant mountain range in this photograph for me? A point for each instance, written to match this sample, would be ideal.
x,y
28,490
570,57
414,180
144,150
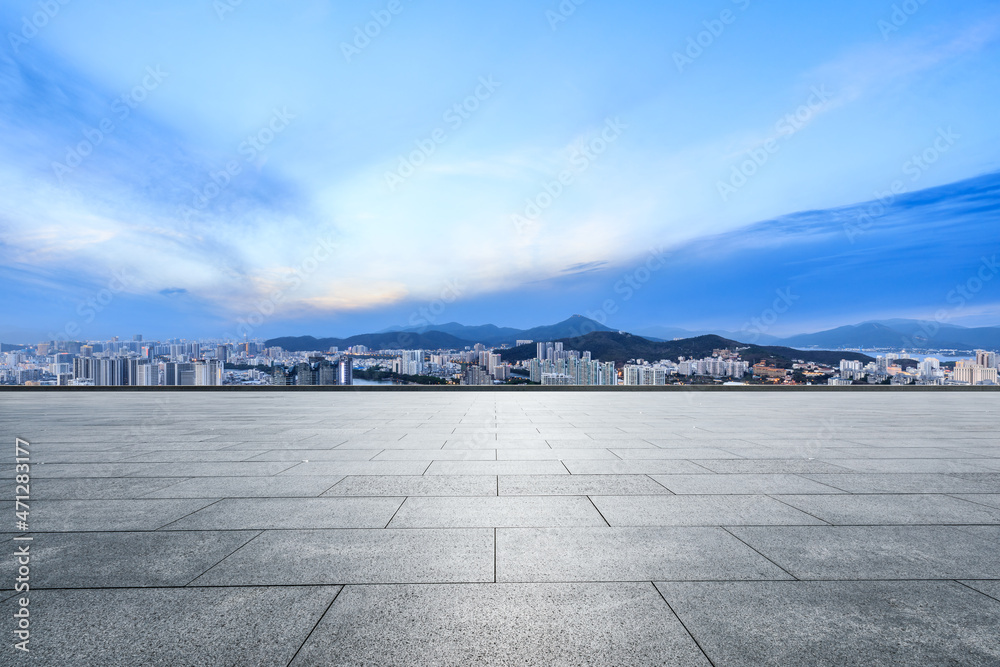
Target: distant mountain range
x,y
444,336
489,334
430,340
901,334
576,333
891,334
620,347
894,334
663,333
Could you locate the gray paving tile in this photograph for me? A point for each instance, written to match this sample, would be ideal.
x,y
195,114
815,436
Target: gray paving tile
x,y
400,485
114,560
172,626
989,499
299,557
913,465
984,481
473,429
272,437
555,454
48,456
192,456
981,532
605,443
771,466
742,484
300,455
508,624
689,510
494,444
878,552
291,513
99,488
493,512
578,485
626,554
426,455
103,515
900,483
379,445
497,468
990,588
93,470
838,623
214,469
247,487
677,442
344,468
896,453
801,450
991,450
409,437
674,453
319,444
910,440
876,509
649,467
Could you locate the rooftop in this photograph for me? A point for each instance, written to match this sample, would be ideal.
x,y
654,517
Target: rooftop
x,y
490,528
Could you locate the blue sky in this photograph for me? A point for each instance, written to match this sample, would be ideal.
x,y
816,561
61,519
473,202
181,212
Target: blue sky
x,y
216,168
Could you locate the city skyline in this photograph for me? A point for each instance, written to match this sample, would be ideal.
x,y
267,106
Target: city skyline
x,y
210,180
411,358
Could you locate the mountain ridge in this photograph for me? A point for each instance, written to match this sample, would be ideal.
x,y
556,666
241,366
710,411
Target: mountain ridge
x,y
874,334
586,335
622,347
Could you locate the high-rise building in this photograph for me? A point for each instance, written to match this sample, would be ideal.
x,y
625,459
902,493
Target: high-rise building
x,y
345,371
147,375
83,370
635,375
986,358
967,372
305,375
326,373
928,369
476,376
411,362
208,373
112,372
179,374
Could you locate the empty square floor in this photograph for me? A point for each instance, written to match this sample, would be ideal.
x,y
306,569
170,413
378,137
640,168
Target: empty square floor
x,y
506,528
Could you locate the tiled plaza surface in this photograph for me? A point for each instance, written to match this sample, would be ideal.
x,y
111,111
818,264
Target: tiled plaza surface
x,y
507,528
